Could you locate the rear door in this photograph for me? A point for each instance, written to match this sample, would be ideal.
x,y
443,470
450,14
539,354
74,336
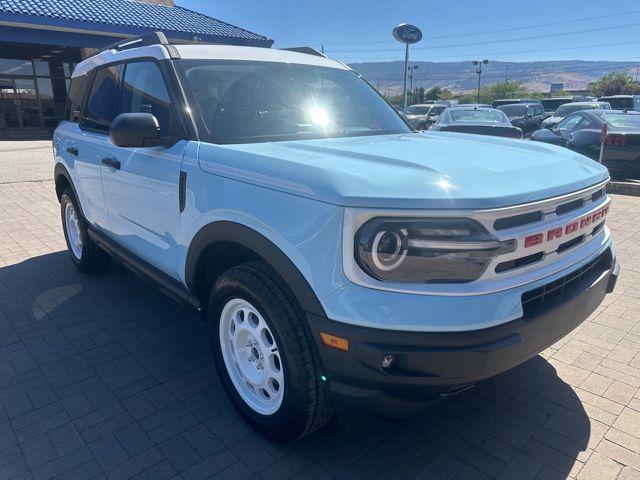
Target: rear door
x,y
142,192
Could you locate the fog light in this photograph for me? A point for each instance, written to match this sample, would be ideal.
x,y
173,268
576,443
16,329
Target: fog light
x,y
387,360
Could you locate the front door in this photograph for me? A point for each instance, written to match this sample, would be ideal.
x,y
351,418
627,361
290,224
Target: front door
x,y
19,105
141,184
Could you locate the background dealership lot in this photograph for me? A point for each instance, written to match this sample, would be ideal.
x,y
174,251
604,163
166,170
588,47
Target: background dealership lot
x,y
103,377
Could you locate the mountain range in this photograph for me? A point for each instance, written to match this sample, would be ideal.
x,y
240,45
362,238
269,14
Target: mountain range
x,y
537,76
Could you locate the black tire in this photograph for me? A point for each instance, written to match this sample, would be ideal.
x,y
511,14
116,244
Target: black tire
x,y
305,405
92,259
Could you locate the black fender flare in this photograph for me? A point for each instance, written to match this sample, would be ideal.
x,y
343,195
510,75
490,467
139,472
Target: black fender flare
x,y
226,231
61,170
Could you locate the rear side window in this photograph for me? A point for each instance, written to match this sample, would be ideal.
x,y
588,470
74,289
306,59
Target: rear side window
x,y
77,89
102,103
144,91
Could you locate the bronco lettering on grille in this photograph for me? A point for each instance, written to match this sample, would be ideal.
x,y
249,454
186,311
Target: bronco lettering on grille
x,y
574,226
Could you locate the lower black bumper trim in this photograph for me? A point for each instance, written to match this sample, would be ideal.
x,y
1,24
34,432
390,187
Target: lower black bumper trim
x,y
427,365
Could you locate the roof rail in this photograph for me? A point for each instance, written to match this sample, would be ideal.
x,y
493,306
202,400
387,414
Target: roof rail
x,y
153,38
307,50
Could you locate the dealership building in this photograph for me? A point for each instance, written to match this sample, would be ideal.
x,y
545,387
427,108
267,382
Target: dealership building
x,y
41,41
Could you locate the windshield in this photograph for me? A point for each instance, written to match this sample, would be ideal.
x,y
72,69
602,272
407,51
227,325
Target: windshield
x,y
514,110
477,116
417,110
243,102
622,120
566,110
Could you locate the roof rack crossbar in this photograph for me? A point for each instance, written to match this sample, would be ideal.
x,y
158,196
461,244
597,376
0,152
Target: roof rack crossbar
x,y
153,38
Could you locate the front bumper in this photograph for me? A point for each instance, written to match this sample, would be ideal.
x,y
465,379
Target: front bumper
x,y
432,365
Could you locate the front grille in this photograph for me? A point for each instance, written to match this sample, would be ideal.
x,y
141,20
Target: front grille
x,y
533,300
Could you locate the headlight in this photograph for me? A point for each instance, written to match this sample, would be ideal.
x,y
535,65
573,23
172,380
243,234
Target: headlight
x,y
426,250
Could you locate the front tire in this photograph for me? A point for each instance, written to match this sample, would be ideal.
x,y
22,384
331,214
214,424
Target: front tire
x,y
85,254
265,355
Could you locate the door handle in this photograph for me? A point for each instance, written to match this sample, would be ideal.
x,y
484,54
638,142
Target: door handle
x,y
73,150
111,163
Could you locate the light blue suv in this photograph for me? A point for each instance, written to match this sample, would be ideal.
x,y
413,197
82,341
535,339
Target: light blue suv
x,y
341,258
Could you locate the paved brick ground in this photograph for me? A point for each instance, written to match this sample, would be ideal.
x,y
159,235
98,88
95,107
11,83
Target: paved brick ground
x,y
103,377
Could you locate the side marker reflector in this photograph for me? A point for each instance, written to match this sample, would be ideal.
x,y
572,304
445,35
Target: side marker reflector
x,y
332,341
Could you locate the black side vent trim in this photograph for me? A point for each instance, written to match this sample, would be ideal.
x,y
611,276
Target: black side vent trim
x,y
517,220
182,191
570,206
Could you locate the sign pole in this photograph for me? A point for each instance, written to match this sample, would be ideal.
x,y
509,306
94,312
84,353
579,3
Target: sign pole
x,y
407,34
406,69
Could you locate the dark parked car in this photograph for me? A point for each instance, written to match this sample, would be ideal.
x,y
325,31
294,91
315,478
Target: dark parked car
x,y
478,120
622,102
609,136
526,116
508,101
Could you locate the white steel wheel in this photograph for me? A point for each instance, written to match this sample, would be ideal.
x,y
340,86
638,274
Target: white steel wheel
x,y
73,230
251,356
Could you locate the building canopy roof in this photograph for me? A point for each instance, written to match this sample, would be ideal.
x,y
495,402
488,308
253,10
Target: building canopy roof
x,y
126,17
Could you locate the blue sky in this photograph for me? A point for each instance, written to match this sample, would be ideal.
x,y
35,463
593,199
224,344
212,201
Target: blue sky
x,y
357,30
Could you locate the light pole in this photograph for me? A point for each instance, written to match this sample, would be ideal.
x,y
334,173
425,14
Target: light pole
x,y
411,69
478,65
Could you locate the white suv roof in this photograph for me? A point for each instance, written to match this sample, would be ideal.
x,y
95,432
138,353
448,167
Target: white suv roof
x,y
207,52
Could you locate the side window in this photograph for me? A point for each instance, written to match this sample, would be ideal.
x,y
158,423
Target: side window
x,y
583,123
144,91
102,102
539,110
77,89
569,123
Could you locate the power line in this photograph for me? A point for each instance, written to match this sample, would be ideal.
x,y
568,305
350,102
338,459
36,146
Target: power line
x,y
487,32
490,42
515,52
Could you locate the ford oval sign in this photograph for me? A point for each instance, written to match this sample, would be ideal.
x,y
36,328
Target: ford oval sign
x,y
407,33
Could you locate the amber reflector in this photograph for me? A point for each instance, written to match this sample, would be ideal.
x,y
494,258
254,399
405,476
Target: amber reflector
x,y
334,342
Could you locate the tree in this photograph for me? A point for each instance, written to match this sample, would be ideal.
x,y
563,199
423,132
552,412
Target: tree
x,y
438,93
506,89
617,83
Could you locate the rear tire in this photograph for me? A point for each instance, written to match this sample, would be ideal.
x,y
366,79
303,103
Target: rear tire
x,y
85,254
261,344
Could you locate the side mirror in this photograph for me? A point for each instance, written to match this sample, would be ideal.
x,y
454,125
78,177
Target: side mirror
x,y
135,130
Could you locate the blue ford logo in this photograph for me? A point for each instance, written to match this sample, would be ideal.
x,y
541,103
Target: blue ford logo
x,y
407,33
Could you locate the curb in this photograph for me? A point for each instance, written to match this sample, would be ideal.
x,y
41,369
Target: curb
x,y
624,188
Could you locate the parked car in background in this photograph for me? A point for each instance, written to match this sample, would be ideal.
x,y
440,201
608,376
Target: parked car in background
x,y
422,116
622,102
526,116
478,120
569,108
609,136
509,101
551,104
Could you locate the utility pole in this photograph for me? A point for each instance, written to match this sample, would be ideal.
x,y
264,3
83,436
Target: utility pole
x,y
478,65
411,69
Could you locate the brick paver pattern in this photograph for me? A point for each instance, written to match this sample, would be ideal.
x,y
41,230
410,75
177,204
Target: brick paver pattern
x,y
104,377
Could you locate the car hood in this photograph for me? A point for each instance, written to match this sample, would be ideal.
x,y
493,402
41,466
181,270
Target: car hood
x,y
418,170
